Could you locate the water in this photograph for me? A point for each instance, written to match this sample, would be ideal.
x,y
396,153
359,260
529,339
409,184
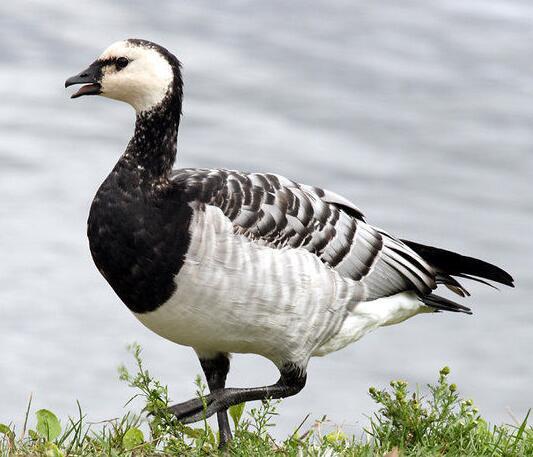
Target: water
x,y
420,112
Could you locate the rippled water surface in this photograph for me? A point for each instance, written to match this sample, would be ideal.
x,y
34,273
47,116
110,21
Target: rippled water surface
x,y
421,112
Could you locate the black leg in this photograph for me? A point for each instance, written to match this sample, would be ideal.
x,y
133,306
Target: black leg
x,y
216,370
291,381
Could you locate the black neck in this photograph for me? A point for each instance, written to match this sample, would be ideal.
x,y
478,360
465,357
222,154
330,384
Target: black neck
x,y
152,150
154,143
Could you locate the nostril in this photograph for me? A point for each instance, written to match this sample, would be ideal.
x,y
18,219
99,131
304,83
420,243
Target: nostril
x,y
84,75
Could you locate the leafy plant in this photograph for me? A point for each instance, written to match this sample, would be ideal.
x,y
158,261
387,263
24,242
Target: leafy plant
x,y
441,420
132,438
407,423
48,425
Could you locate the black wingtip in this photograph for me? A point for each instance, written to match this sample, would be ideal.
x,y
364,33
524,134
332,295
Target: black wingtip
x,y
455,264
499,274
443,304
511,280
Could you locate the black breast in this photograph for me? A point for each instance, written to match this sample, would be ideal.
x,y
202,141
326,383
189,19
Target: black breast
x,y
138,238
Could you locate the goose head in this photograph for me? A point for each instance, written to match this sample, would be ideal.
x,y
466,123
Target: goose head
x,y
138,72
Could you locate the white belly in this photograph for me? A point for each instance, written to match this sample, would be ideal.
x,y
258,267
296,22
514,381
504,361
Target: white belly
x,y
369,315
234,295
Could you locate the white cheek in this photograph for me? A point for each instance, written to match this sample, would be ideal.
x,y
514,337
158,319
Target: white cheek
x,y
143,84
143,93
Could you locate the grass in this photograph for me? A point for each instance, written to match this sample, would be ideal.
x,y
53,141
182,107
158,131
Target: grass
x,y
408,423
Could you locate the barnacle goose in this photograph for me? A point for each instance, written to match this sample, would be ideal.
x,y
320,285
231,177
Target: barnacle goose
x,y
231,262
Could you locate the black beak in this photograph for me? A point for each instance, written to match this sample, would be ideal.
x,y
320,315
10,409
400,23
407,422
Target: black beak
x,y
90,78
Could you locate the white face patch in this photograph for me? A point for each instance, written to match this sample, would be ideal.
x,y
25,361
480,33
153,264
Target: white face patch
x,y
143,83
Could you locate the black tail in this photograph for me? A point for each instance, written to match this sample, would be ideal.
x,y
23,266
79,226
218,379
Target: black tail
x,y
443,304
448,264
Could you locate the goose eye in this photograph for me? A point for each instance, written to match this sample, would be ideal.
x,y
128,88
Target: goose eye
x,y
122,62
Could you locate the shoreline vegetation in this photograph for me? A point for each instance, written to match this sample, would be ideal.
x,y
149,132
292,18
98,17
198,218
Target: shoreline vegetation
x,y
434,421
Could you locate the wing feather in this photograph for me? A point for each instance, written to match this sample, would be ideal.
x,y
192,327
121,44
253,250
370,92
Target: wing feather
x,y
282,213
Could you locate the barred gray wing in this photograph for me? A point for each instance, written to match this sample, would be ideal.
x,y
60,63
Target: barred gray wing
x,y
278,212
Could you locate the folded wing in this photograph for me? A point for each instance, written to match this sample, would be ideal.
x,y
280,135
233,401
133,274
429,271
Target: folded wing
x,y
275,211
